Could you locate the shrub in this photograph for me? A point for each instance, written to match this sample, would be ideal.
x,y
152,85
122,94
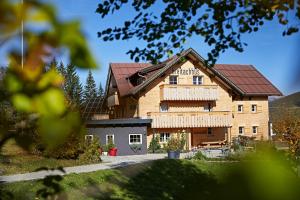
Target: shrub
x,y
240,142
199,156
91,151
154,145
72,147
176,143
110,145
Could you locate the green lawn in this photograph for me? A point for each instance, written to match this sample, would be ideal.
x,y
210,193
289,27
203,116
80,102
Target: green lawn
x,y
14,159
162,179
168,179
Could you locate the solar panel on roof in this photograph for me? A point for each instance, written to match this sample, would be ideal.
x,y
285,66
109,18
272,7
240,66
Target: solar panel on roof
x,y
93,106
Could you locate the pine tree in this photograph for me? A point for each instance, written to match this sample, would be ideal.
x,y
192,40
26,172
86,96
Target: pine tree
x,y
72,85
90,90
61,69
100,91
53,64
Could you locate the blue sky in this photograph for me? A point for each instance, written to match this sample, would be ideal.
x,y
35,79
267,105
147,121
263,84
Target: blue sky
x,y
273,55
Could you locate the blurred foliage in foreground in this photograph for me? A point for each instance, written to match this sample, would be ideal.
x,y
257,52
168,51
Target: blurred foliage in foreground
x,y
35,93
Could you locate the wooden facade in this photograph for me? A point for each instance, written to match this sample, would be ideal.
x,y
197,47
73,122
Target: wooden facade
x,y
206,110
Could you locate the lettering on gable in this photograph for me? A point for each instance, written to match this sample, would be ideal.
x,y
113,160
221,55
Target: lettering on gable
x,y
190,71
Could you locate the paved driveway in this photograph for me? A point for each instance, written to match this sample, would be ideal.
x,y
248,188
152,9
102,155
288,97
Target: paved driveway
x,y
109,162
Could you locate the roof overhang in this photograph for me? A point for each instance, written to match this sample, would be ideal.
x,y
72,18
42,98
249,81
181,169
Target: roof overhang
x,y
119,122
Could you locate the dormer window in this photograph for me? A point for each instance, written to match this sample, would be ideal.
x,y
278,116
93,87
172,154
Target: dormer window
x,y
173,80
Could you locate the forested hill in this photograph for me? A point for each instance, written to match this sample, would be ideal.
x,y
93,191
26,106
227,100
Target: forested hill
x,y
289,103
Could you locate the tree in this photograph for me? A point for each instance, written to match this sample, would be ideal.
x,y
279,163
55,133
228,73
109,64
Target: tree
x,y
90,91
72,85
286,125
61,69
220,23
32,90
100,91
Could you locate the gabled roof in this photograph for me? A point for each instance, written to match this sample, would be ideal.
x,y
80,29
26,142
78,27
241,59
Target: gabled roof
x,y
245,80
121,71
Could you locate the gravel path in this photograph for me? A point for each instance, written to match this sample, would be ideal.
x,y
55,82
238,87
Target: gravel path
x,y
109,162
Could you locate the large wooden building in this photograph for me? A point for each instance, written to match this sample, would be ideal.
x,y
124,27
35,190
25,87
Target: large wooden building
x,y
212,105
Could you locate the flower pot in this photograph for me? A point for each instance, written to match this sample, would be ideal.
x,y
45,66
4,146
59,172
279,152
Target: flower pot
x,y
113,152
104,153
173,154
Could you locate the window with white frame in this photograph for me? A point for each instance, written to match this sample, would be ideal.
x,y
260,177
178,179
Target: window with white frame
x,y
110,138
135,138
240,108
197,80
253,107
89,138
241,130
173,80
164,137
254,129
164,107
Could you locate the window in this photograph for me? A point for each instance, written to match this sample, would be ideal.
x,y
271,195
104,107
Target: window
x,y
240,108
241,130
197,80
254,129
164,137
173,80
164,107
209,131
135,138
253,107
110,138
89,138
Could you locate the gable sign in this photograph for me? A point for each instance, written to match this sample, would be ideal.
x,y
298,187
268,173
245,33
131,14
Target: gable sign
x,y
190,71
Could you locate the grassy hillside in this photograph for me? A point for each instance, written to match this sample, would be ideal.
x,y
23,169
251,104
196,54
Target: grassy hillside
x,y
289,103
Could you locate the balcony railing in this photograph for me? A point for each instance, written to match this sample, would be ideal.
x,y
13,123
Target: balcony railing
x,y
190,120
113,100
189,92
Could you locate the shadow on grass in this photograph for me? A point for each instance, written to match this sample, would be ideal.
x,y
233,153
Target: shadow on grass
x,y
176,179
172,179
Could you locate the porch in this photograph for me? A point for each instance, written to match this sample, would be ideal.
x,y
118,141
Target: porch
x,y
196,138
209,137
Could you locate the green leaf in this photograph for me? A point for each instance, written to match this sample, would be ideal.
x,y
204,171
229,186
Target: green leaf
x,y
13,84
50,78
51,102
22,103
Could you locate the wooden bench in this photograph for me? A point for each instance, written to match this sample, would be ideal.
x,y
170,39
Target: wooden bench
x,y
213,143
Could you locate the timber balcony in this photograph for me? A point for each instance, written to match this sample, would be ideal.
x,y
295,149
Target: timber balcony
x,y
113,100
189,92
190,119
